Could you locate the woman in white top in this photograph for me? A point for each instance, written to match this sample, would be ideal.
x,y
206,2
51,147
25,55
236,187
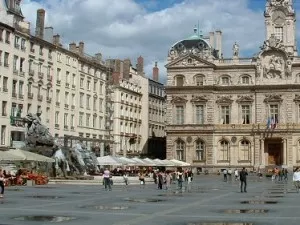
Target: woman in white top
x,y
296,178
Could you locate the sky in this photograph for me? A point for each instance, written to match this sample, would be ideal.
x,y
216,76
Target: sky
x,y
130,28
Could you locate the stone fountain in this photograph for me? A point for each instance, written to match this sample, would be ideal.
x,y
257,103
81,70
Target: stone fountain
x,y
69,161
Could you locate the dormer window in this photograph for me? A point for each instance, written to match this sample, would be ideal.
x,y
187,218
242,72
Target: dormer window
x,y
225,80
245,80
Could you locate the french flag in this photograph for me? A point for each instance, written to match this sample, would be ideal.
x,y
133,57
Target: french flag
x,y
274,122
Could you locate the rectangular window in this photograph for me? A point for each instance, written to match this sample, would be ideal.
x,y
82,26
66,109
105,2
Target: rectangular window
x,y
3,134
88,116
225,114
95,86
81,82
4,108
47,114
1,34
100,105
15,62
73,99
23,42
246,114
56,118
6,57
7,37
101,88
81,100
279,33
17,44
67,77
100,122
73,79
29,108
65,119
88,99
72,121
274,113
179,115
94,121
199,114
57,96
58,75
80,119
88,85
22,60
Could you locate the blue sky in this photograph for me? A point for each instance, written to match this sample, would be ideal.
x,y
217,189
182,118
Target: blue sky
x,y
130,28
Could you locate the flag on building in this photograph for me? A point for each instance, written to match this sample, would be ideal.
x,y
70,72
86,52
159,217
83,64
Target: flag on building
x,y
274,122
269,123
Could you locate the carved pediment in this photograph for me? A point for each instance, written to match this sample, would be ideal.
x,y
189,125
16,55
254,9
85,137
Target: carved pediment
x,y
199,98
224,99
273,98
189,60
179,99
297,98
30,80
40,82
245,98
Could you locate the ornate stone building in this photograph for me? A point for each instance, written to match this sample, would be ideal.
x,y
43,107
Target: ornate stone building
x,y
236,112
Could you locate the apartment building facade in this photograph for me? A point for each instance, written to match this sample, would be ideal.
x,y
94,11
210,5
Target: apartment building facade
x,y
65,87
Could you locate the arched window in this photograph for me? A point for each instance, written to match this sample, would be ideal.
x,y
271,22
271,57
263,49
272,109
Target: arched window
x,y
179,80
223,150
244,154
199,80
190,61
200,150
180,146
225,80
245,80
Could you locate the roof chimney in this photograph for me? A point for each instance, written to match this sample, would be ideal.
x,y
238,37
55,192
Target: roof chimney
x,y
81,48
140,65
72,47
40,23
56,40
155,72
48,34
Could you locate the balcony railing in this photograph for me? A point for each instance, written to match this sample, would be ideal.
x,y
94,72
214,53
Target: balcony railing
x,y
58,82
57,126
66,106
22,73
30,95
21,96
40,98
66,127
17,121
31,72
5,89
73,107
14,94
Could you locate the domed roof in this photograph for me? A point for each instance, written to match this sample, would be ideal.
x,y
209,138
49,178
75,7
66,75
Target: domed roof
x,y
195,44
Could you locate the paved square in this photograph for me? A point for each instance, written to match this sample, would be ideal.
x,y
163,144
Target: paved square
x,y
210,200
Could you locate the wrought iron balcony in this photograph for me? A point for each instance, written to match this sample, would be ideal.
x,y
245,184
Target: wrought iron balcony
x,y
30,95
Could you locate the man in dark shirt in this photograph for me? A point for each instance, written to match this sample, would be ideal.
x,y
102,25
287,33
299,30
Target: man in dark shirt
x,y
243,179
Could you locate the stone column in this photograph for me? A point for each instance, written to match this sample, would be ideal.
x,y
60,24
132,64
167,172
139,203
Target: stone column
x,y
284,142
262,160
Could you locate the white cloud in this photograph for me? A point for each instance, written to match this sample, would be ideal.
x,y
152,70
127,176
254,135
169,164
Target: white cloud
x,y
124,29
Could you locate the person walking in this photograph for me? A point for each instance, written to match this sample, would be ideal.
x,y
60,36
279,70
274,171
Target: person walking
x,y
296,178
168,180
125,177
243,179
236,174
2,183
180,179
225,175
107,179
160,180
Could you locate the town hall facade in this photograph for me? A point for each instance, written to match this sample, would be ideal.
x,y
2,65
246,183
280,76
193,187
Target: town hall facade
x,y
237,112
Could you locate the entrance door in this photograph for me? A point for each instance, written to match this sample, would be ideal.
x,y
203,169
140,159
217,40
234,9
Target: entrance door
x,y
275,154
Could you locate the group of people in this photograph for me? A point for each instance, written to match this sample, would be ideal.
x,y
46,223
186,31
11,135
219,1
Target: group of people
x,y
280,174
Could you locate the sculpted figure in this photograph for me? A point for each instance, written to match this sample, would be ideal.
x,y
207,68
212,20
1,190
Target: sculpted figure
x,y
235,49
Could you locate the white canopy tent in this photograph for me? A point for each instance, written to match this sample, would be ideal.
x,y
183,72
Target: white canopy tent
x,y
180,163
127,161
150,162
109,161
7,156
30,156
140,162
168,162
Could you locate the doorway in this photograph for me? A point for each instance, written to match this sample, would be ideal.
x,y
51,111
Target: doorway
x,y
275,153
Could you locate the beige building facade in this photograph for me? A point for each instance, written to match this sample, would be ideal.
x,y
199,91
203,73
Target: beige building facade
x,y
66,87
236,112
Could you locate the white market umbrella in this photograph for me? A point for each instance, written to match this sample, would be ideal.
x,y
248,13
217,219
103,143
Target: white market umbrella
x,y
168,162
150,162
30,156
159,162
6,156
180,163
127,161
140,162
109,161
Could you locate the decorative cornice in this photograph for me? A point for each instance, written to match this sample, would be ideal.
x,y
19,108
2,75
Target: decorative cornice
x,y
179,99
224,99
199,98
244,98
273,98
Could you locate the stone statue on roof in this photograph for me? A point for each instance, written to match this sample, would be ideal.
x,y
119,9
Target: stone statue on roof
x,y
236,49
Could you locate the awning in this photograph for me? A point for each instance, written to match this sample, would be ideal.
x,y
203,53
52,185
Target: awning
x,y
109,161
6,156
30,156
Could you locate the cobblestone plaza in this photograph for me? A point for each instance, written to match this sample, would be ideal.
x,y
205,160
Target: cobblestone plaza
x,y
211,201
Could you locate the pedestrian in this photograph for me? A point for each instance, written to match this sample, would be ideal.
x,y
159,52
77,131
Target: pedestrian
x,y
179,178
107,179
125,177
168,180
225,175
142,178
2,183
243,179
236,174
229,174
296,178
285,175
190,179
160,180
